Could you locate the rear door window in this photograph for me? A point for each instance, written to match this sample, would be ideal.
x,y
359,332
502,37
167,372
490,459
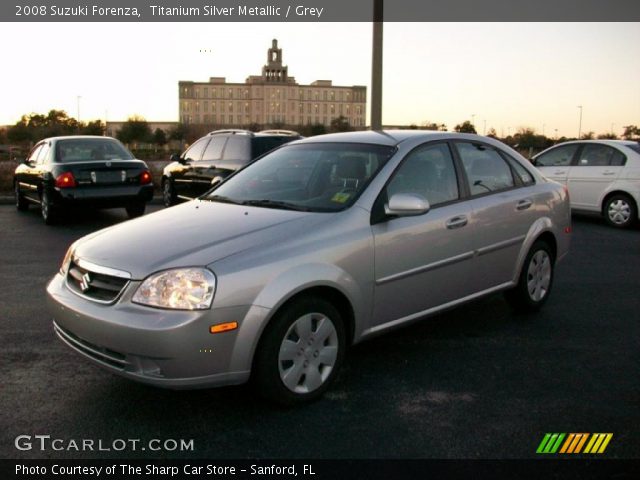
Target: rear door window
x,y
594,155
214,149
486,170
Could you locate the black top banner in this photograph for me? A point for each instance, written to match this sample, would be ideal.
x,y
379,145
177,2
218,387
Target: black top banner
x,y
319,11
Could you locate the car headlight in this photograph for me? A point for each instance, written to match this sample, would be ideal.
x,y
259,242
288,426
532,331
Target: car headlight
x,y
181,289
66,261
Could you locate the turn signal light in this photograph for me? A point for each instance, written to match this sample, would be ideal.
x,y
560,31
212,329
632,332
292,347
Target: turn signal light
x,y
65,180
145,178
223,327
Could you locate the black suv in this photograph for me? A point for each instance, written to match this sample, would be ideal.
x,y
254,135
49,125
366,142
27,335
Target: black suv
x,y
214,157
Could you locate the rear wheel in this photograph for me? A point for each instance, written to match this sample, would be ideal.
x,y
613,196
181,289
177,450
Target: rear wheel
x,y
136,209
620,211
536,278
300,352
21,202
47,210
168,193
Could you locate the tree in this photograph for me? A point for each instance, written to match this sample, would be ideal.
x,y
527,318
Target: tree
x,y
93,128
492,133
340,124
179,132
438,127
135,129
588,136
466,127
159,137
631,132
608,136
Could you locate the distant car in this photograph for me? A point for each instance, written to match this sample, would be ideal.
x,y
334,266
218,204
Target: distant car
x,y
214,157
318,245
88,171
602,176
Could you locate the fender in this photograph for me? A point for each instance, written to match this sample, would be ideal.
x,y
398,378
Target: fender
x,y
284,287
539,227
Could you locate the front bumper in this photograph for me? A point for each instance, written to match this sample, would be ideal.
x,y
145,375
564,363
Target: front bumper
x,y
165,348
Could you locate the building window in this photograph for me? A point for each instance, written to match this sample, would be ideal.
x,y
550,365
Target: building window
x,y
230,109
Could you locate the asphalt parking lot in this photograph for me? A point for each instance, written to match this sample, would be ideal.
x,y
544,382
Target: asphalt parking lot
x,y
476,382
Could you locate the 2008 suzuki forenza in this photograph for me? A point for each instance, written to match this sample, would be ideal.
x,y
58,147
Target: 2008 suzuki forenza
x,y
316,246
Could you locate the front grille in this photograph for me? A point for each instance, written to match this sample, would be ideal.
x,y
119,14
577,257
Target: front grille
x,y
93,285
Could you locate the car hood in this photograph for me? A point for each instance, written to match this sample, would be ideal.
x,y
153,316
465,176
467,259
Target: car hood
x,y
196,233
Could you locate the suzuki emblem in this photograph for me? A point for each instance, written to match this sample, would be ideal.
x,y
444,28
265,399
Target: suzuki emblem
x,y
85,283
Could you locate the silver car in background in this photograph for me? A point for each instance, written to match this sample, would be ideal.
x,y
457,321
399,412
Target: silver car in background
x,y
320,244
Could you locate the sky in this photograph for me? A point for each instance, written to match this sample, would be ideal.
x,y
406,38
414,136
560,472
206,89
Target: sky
x,y
499,75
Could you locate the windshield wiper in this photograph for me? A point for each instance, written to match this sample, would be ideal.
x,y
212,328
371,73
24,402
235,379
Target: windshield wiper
x,y
221,199
275,204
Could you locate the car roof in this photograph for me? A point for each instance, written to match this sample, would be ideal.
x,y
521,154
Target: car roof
x,y
388,137
611,143
75,137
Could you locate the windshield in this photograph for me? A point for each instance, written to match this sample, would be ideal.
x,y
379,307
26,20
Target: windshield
x,y
90,149
319,177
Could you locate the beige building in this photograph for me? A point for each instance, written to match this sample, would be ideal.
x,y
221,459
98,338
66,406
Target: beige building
x,y
271,99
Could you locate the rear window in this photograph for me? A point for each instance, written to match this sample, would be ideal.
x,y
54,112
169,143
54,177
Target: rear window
x,y
262,145
90,150
634,146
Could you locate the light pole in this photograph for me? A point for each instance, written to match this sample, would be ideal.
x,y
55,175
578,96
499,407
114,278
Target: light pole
x,y
580,124
484,130
612,125
543,125
376,67
473,120
78,105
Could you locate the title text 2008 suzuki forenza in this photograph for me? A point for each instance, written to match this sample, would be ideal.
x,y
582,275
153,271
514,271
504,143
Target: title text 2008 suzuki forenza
x,y
318,245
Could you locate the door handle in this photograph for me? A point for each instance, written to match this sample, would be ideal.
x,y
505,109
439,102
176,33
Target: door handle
x,y
608,173
456,222
523,204
560,172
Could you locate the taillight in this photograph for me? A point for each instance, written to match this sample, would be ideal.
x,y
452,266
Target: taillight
x,y
65,180
145,178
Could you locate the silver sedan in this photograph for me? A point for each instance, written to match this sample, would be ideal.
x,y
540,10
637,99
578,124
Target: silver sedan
x,y
319,245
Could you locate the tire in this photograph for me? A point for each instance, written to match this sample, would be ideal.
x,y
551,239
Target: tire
x,y
289,365
136,209
168,193
620,211
536,279
22,203
47,210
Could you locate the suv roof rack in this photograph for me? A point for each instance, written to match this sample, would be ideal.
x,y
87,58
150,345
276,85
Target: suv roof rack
x,y
288,133
232,131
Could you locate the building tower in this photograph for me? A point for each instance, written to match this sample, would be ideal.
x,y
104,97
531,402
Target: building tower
x,y
274,71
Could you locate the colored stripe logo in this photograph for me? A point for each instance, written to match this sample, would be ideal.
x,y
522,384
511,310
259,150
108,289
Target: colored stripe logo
x,y
574,443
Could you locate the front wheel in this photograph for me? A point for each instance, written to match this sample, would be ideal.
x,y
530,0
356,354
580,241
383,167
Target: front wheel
x,y
136,210
536,278
22,203
300,352
620,211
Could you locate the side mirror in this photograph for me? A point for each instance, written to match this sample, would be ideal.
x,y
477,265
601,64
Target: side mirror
x,y
407,204
176,158
216,180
